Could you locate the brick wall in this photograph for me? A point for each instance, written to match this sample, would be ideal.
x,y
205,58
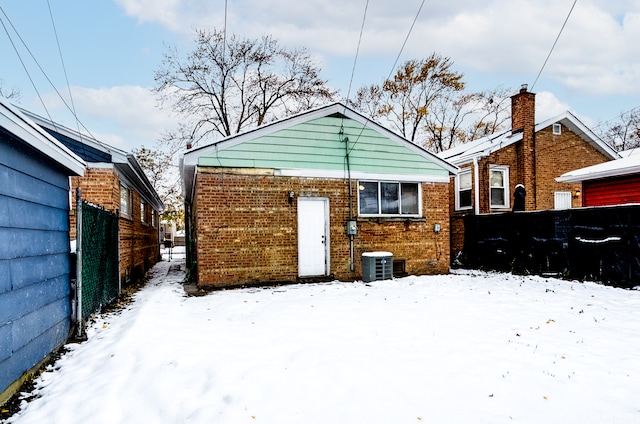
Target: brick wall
x,y
554,155
139,245
247,230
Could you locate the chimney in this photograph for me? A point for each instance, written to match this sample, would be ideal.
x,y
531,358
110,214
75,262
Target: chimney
x,y
523,120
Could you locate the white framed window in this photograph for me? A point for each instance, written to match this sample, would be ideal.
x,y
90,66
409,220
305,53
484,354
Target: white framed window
x,y
125,200
562,200
154,219
557,129
499,187
463,188
143,212
389,198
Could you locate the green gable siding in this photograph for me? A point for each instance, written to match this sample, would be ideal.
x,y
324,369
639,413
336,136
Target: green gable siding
x,y
317,145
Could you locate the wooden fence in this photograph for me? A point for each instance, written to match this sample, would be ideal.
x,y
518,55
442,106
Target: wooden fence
x,y
600,243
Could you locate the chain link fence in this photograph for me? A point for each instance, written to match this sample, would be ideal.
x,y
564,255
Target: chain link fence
x,y
99,249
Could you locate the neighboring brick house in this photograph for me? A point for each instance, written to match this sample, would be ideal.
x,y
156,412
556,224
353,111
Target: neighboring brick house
x,y
302,198
114,180
530,154
612,183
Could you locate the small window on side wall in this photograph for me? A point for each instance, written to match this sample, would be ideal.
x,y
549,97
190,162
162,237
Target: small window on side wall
x,y
125,201
557,129
143,212
499,187
463,190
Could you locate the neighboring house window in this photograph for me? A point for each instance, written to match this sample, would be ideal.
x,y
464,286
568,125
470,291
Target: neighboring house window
x,y
557,129
562,200
388,198
125,200
499,187
463,190
143,212
154,219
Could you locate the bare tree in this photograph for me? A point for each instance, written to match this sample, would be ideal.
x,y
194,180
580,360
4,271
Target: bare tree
x,y
426,103
405,100
161,170
12,93
624,133
229,84
492,113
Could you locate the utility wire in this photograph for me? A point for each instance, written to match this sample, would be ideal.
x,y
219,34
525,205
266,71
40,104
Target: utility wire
x,y
64,69
415,19
20,58
41,70
355,59
554,44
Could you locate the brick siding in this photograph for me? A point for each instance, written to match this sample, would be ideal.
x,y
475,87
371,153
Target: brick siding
x,y
554,156
139,245
247,230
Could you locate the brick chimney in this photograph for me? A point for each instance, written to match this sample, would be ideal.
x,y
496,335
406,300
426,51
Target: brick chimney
x,y
523,120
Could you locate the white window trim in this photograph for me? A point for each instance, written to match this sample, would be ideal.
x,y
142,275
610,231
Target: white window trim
x,y
143,212
418,215
557,129
128,212
507,194
457,190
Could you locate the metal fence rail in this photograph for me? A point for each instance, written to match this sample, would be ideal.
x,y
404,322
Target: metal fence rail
x,y
601,244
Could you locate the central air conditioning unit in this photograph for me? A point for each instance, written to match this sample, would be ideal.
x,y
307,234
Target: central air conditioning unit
x,y
377,266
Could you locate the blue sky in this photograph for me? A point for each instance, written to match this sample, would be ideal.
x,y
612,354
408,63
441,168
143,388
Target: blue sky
x,y
111,49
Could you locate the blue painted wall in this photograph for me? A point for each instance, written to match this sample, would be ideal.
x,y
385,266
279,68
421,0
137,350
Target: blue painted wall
x,y
34,258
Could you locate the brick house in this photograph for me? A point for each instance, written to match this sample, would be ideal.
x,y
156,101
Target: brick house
x,y
303,198
612,183
114,180
530,154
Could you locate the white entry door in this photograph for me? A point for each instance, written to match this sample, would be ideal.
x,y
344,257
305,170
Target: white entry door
x,y
313,236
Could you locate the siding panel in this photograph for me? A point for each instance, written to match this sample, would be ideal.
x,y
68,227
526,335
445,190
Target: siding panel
x,y
20,243
319,145
613,191
34,258
21,302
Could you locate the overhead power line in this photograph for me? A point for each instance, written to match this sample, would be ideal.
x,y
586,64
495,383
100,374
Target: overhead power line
x,y
393,67
41,70
554,44
355,59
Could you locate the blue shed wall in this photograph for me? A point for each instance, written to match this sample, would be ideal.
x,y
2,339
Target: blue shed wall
x,y
34,258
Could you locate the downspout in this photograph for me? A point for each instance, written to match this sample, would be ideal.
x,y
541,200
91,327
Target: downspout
x,y
476,186
118,252
346,155
352,265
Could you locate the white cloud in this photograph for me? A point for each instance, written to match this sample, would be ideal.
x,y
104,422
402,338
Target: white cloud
x,y
596,53
132,110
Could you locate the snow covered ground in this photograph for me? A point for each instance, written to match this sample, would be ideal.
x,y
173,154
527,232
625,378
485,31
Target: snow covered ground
x,y
470,347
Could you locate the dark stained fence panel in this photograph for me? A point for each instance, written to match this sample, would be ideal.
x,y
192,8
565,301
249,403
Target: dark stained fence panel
x,y
601,244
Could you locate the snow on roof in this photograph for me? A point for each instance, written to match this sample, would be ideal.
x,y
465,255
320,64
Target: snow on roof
x,y
629,152
624,166
482,147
